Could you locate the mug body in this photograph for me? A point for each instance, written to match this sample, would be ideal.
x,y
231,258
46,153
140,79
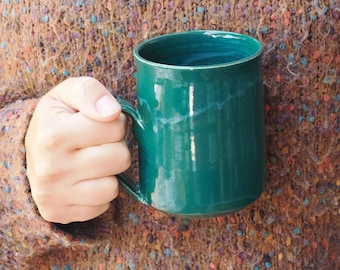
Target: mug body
x,y
202,144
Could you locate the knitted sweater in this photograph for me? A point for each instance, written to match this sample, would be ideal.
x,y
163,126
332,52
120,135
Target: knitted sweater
x,y
293,225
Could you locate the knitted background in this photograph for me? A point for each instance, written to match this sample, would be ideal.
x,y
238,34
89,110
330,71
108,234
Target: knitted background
x,y
295,223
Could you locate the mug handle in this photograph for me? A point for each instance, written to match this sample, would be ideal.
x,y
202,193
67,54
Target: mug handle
x,y
130,186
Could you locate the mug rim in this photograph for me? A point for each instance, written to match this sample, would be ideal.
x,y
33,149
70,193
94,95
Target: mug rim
x,y
227,34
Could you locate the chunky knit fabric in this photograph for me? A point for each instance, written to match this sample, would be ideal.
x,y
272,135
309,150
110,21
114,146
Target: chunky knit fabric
x,y
295,223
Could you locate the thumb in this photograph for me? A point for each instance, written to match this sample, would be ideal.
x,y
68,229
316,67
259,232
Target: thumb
x,y
89,97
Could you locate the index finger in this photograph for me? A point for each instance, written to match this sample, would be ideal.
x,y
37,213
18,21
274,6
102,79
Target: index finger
x,y
82,132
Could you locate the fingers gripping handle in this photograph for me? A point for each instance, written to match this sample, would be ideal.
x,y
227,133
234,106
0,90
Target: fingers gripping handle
x,y
131,186
130,110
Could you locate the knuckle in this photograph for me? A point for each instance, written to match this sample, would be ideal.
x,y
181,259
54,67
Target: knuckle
x,y
50,138
48,208
87,86
46,160
49,216
47,169
43,202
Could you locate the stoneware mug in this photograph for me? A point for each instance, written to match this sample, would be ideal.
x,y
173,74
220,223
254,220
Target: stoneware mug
x,y
199,123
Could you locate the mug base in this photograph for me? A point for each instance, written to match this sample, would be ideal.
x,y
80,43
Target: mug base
x,y
213,213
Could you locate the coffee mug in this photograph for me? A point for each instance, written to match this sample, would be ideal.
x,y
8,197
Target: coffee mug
x,y
199,123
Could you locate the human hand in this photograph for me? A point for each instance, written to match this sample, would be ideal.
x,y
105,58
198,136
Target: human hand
x,y
74,147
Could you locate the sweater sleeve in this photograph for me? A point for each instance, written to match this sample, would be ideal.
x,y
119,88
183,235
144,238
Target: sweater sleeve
x,y
23,233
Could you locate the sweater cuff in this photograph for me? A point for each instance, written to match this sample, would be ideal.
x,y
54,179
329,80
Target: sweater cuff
x,y
23,232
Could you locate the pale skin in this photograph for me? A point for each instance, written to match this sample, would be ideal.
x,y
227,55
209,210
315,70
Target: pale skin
x,y
74,148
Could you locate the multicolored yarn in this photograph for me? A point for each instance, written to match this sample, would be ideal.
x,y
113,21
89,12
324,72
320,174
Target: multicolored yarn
x,y
295,223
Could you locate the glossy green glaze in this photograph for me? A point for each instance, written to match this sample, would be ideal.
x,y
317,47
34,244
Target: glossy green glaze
x,y
199,123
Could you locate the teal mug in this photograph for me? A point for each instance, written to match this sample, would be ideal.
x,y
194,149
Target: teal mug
x,y
199,123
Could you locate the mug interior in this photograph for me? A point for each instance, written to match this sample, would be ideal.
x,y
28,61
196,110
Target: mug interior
x,y
199,49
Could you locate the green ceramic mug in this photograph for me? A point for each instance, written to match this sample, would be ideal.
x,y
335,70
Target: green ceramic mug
x,y
199,123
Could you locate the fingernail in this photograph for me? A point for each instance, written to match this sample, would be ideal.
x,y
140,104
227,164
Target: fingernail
x,y
107,105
